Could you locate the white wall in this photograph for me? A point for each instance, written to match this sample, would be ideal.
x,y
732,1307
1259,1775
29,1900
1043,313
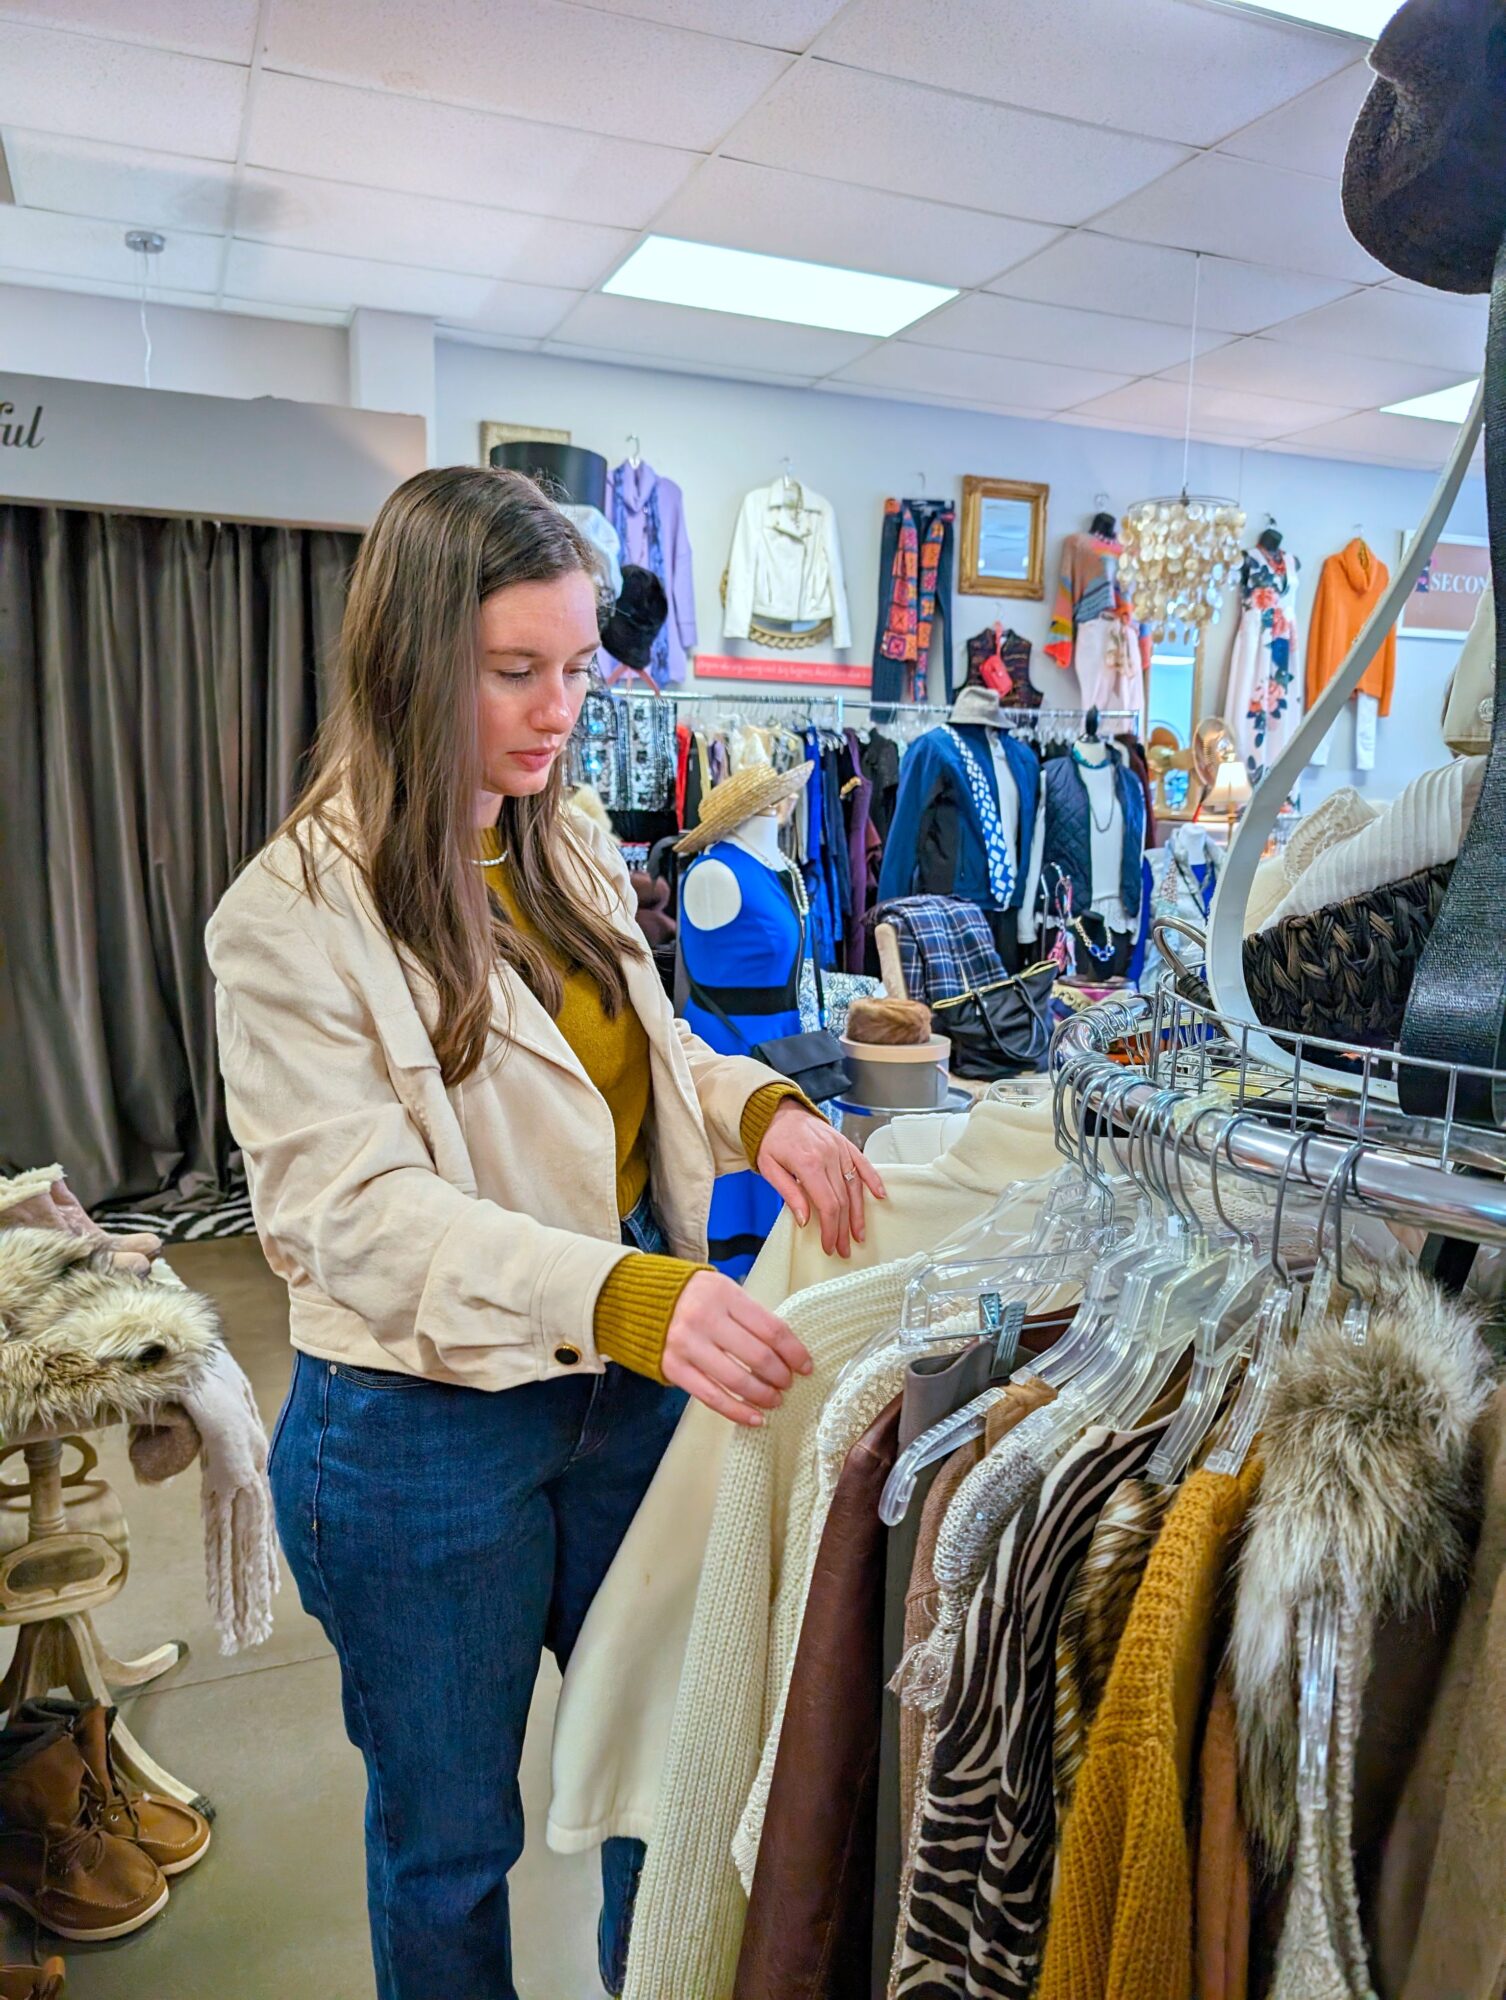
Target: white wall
x,y
91,339
718,438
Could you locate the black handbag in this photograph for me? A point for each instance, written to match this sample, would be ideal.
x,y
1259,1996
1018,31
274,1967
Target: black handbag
x,y
1001,1029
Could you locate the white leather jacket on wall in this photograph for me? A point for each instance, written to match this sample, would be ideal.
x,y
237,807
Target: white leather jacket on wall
x,y
786,562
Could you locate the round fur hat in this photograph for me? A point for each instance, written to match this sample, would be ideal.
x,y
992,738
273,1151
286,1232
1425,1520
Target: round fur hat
x,y
757,788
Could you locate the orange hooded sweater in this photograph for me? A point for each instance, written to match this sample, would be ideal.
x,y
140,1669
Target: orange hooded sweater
x,y
1351,583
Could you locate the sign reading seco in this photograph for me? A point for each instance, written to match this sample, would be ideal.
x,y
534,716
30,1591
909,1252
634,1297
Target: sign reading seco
x,y
1448,592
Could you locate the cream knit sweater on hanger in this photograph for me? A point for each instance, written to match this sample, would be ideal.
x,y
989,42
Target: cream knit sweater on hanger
x,y
612,1726
688,1921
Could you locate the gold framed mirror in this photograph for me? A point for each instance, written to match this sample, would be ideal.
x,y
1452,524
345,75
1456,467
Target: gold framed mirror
x,y
1003,538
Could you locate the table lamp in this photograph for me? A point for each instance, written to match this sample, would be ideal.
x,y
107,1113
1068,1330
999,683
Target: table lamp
x,y
1229,791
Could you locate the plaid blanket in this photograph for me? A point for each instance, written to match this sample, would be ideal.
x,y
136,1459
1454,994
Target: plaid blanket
x,y
945,946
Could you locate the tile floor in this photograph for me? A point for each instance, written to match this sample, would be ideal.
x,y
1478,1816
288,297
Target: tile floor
x,y
277,1908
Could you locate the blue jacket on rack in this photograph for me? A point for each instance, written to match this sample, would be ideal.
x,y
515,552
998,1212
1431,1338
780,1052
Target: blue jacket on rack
x,y
935,844
1067,842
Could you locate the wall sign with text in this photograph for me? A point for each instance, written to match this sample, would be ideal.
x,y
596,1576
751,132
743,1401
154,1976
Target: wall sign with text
x,y
801,673
20,427
1448,592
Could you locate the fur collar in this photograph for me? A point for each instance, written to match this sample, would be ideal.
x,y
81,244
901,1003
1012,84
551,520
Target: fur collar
x,y
1366,1491
81,1344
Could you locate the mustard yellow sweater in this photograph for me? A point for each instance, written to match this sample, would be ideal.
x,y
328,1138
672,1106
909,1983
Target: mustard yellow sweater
x,y
1121,1915
637,1302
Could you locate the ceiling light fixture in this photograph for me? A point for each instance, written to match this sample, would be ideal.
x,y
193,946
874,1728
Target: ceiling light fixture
x,y
1180,554
1363,19
673,272
1440,406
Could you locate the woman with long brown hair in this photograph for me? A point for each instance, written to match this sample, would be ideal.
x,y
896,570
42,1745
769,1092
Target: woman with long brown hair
x,y
481,1152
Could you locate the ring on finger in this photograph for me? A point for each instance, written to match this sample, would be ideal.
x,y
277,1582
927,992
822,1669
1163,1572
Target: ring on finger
x,y
850,1174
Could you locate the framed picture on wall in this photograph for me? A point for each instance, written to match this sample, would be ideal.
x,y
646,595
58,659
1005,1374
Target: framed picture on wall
x,y
1447,595
1003,538
516,434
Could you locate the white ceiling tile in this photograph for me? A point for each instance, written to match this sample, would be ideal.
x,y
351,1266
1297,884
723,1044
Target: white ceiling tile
x,y
306,277
1440,331
1390,440
848,126
224,29
671,364
984,324
561,64
637,326
1267,367
374,140
31,239
773,24
104,288
1215,202
419,229
978,378
1311,133
795,215
148,190
126,96
1186,73
1223,412
1146,281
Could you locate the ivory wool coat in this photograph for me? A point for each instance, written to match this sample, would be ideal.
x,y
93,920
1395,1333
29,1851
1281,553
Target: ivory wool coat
x,y
458,1233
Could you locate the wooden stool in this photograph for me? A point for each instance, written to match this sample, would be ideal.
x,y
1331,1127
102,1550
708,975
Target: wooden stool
x,y
54,1577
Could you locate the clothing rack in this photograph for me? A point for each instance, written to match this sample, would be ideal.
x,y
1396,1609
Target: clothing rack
x,y
1015,718
1137,1054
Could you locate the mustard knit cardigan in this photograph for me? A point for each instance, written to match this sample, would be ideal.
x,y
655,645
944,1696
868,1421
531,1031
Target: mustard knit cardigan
x,y
1121,1916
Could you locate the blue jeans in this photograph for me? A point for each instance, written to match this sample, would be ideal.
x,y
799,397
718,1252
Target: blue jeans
x,y
443,1537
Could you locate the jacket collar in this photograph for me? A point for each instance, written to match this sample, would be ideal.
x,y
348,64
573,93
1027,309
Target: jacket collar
x,y
1360,566
635,483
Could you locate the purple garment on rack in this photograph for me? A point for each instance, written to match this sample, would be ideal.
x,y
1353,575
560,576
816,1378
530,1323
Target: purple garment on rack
x,y
649,515
858,802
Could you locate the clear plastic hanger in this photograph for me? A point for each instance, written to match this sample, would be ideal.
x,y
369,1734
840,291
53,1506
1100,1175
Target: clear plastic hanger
x,y
1275,1323
1221,1334
961,1426
1111,1273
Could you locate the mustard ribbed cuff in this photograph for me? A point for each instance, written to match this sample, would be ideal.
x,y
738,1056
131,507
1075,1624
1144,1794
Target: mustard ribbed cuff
x,y
634,1308
758,1115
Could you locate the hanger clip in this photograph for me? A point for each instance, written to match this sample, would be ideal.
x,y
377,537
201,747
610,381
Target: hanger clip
x,y
1004,1325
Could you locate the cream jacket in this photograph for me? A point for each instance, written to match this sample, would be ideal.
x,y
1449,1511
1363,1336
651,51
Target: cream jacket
x,y
461,1234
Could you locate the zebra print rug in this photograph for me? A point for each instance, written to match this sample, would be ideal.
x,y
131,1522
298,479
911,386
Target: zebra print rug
x,y
207,1216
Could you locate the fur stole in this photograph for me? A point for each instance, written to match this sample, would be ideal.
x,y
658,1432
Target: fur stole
x,y
1366,1494
81,1344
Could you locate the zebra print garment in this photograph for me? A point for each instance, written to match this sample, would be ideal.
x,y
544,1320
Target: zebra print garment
x,y
976,1919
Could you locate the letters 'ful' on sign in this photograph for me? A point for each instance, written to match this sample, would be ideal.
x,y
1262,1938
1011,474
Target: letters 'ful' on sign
x,y
23,430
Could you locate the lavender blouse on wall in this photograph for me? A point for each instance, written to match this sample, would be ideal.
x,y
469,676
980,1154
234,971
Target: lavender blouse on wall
x,y
649,515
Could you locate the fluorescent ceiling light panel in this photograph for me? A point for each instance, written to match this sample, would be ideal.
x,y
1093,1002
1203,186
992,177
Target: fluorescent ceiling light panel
x,y
1443,406
676,273
1364,18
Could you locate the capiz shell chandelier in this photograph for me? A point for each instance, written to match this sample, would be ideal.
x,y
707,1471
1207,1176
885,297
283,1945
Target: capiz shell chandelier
x,y
1180,555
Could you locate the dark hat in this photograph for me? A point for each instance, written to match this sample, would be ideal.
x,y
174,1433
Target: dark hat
x,y
1425,175
637,618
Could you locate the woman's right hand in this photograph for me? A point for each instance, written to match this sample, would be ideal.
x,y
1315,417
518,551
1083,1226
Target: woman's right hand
x,y
728,1351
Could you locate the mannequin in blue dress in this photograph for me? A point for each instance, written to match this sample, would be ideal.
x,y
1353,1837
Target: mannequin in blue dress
x,y
743,939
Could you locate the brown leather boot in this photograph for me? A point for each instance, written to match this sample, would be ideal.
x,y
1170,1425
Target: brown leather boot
x,y
32,1982
172,1835
56,1861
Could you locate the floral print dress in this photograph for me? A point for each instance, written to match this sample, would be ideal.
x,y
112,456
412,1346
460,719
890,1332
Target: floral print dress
x,y
1265,694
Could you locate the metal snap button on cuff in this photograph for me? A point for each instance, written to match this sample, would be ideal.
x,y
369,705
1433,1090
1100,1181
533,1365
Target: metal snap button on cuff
x,y
566,1355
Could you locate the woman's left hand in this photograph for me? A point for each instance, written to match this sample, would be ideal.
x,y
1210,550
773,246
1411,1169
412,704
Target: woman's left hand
x,y
818,1172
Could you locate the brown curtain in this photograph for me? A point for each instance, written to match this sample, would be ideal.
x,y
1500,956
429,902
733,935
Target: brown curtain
x,y
159,689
